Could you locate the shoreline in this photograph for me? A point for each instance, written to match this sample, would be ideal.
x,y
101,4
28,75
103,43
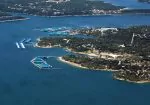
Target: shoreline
x,y
37,46
108,70
85,15
75,64
138,82
14,20
82,15
79,66
71,63
82,67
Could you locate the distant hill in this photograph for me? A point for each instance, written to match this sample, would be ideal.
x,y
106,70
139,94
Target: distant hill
x,y
56,7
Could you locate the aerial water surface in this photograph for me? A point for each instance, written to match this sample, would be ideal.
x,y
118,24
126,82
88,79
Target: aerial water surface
x,y
23,84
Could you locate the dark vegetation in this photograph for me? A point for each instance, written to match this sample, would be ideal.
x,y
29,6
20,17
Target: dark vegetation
x,y
76,44
134,67
92,63
41,7
110,40
72,7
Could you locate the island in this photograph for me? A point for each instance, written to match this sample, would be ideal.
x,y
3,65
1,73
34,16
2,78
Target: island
x,y
124,51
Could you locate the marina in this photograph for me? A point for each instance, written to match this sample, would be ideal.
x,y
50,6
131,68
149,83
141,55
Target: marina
x,y
28,40
57,30
24,42
41,63
20,45
59,33
53,29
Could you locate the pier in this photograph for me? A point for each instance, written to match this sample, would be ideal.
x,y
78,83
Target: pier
x,y
17,44
28,40
24,42
22,45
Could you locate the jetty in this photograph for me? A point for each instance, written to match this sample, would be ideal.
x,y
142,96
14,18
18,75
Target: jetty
x,y
22,45
28,40
24,42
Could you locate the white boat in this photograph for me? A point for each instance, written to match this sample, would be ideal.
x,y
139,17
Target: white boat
x,y
17,45
22,45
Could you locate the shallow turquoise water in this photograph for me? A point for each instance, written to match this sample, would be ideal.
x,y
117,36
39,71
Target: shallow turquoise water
x,y
23,84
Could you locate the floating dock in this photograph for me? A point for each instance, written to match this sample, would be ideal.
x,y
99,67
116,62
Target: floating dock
x,y
17,44
22,45
28,40
22,40
40,63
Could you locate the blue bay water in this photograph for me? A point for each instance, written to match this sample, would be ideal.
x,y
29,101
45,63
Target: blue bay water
x,y
23,84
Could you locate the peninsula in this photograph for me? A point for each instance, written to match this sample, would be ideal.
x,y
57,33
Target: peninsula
x,y
5,17
124,51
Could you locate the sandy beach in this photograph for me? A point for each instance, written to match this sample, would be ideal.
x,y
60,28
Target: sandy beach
x,y
36,45
79,66
71,63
